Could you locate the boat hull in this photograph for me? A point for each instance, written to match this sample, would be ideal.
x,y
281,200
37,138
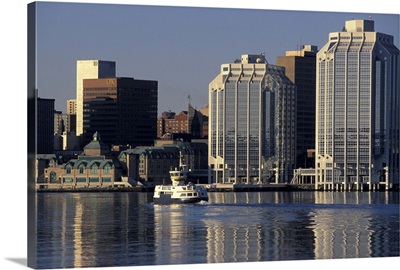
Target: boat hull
x,y
168,200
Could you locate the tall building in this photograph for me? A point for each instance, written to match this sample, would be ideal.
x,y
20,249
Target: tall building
x,y
300,69
45,125
60,122
252,123
71,116
71,106
357,129
89,69
123,110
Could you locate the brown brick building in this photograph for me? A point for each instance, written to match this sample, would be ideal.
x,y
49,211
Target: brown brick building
x,y
123,110
189,122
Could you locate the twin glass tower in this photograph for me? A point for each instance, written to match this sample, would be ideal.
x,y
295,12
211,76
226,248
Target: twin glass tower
x,y
357,109
252,110
252,123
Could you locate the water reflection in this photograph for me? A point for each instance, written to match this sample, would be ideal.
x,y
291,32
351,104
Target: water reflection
x,y
121,229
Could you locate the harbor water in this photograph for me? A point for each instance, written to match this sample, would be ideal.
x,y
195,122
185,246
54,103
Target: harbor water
x,y
126,228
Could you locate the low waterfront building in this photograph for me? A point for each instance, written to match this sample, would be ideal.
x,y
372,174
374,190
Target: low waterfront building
x,y
95,168
150,166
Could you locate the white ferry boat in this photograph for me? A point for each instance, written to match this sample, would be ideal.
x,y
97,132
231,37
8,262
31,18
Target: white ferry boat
x,y
179,191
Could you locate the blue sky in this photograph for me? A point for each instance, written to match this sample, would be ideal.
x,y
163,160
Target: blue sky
x,y
180,47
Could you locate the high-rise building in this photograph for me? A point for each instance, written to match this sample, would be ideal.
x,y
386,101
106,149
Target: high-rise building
x,y
300,69
357,113
71,116
71,106
45,125
252,123
123,110
89,69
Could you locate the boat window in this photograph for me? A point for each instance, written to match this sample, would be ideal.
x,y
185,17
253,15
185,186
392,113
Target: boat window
x,y
190,194
195,194
183,194
184,188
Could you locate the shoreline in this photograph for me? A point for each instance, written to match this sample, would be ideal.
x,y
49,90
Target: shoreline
x,y
226,188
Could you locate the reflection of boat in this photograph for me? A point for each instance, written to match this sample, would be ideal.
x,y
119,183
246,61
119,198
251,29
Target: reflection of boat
x,y
179,191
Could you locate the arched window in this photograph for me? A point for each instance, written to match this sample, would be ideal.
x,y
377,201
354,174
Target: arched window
x,y
81,169
94,168
107,169
53,177
68,169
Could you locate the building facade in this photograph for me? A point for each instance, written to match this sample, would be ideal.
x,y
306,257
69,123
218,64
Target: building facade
x,y
123,110
95,168
71,106
300,69
252,123
71,115
150,166
45,126
189,122
89,69
357,129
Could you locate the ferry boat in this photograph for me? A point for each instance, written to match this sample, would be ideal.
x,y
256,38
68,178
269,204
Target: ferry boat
x,y
179,191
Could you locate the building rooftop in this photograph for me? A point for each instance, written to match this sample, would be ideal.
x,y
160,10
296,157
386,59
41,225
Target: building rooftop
x,y
97,144
359,26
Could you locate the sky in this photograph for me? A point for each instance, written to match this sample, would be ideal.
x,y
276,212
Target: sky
x,y
180,47
13,109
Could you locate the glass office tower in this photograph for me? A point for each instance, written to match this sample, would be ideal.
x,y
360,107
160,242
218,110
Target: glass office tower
x,y
252,123
357,114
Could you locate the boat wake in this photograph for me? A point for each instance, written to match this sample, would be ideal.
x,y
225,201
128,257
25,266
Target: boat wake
x,y
203,203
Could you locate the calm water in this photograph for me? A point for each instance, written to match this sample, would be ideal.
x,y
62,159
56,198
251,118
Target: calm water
x,y
123,229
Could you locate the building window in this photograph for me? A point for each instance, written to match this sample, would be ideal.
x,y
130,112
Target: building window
x,y
68,169
81,169
94,179
94,168
53,177
107,179
81,180
68,180
107,169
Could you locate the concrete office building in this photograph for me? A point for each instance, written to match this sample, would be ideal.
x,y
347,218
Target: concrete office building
x,y
357,129
123,110
252,123
300,69
89,69
71,106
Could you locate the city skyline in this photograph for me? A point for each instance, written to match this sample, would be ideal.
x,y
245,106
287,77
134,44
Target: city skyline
x,y
160,43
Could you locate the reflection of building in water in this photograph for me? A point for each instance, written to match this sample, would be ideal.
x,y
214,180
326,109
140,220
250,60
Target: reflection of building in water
x,y
348,232
176,236
240,243
77,234
341,235
256,229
